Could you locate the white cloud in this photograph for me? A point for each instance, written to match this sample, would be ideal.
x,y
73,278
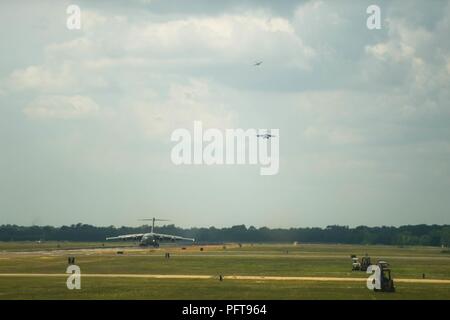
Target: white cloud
x,y
412,64
317,12
41,77
77,48
91,20
61,107
405,44
131,55
322,25
225,36
159,46
64,77
196,100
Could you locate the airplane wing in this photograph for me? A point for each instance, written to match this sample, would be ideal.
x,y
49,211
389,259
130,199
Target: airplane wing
x,y
136,236
161,236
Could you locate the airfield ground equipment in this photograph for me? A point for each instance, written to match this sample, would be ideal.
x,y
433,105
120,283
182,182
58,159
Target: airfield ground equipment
x,y
356,265
362,265
386,281
365,263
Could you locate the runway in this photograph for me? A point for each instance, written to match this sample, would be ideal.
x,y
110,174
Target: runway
x,y
239,254
225,277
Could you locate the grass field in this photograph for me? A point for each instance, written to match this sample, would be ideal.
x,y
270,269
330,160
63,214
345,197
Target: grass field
x,y
23,259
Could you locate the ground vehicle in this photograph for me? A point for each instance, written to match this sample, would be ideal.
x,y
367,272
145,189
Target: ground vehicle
x,y
365,263
356,265
386,281
360,266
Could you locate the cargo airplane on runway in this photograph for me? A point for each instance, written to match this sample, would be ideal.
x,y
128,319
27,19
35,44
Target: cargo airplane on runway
x,y
151,238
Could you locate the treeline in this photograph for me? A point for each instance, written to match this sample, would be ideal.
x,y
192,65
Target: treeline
x,y
429,235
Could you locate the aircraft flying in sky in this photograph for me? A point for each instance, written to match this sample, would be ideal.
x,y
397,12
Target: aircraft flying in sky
x,y
151,238
258,63
265,136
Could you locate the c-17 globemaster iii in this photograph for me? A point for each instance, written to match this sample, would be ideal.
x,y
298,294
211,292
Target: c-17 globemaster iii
x,y
150,238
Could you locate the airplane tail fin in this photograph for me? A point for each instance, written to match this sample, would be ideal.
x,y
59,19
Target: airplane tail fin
x,y
153,222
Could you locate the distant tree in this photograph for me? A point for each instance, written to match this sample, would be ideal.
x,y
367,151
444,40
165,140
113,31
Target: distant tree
x,y
433,235
445,236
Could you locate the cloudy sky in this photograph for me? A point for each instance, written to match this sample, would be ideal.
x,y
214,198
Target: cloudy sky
x,y
86,115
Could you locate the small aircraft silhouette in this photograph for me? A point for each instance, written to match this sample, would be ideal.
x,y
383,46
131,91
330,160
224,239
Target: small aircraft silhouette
x,y
258,63
265,136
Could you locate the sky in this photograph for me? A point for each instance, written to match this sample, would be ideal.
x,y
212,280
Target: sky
x,y
363,115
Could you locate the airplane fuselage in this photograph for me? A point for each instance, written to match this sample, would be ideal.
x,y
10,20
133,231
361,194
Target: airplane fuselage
x,y
153,239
